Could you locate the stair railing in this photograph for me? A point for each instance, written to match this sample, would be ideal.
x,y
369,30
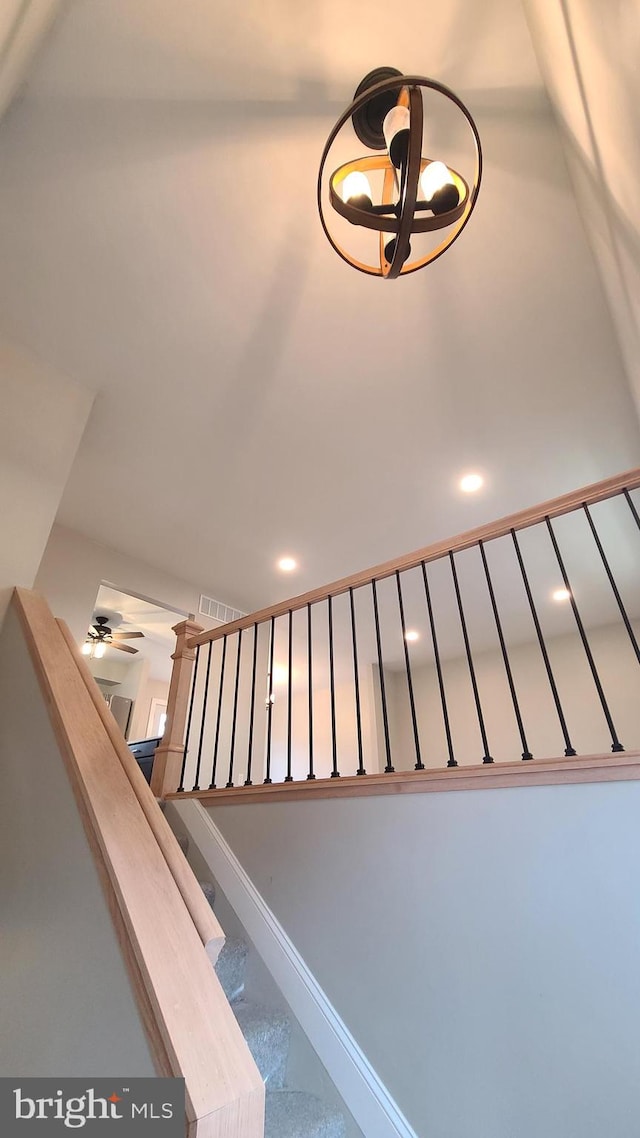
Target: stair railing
x,y
191,1029
205,921
304,696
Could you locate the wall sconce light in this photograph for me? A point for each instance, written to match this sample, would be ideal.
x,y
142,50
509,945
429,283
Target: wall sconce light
x,y
418,195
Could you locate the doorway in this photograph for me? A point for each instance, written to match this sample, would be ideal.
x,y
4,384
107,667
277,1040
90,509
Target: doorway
x,y
133,668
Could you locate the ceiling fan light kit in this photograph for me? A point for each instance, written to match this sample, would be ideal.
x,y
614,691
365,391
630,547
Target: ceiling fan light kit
x,y
100,637
419,195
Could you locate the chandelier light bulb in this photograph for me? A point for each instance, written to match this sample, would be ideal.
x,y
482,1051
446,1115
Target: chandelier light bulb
x,y
438,187
100,651
396,128
86,649
356,189
390,246
434,176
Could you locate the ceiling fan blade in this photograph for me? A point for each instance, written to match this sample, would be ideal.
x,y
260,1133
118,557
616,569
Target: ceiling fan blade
x,y
121,647
126,635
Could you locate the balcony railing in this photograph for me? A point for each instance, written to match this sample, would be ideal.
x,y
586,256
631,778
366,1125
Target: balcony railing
x,y
515,642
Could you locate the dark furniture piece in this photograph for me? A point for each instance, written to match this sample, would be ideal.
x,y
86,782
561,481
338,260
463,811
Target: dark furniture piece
x,y
143,751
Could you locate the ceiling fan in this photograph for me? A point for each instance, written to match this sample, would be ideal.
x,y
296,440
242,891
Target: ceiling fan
x,y
100,636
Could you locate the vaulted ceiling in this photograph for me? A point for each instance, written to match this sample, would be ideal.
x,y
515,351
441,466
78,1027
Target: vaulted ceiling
x,y
159,244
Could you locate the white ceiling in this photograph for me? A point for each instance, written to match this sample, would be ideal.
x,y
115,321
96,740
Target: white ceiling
x,y
159,243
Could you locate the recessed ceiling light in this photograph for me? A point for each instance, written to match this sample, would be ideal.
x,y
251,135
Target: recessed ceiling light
x,y
287,564
411,634
280,674
561,595
471,482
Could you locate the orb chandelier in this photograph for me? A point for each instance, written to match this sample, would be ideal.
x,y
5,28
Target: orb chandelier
x,y
418,194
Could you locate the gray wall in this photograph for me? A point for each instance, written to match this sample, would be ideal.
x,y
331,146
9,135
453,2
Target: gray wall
x,y
482,946
41,424
587,725
73,567
66,1006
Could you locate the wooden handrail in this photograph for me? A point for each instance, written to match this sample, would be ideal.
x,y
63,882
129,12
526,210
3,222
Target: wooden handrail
x,y
190,1026
476,776
555,507
202,915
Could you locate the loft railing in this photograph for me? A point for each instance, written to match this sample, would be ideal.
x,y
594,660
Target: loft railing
x,y
517,641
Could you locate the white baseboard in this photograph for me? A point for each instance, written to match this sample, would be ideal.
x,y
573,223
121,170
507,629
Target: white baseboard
x,y
365,1096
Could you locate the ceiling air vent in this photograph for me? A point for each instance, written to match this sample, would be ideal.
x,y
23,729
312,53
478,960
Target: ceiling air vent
x,y
217,611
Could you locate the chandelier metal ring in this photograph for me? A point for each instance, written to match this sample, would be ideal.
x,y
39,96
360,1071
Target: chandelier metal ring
x,y
405,222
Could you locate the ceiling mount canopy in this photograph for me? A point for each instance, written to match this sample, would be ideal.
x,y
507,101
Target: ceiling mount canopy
x,y
415,194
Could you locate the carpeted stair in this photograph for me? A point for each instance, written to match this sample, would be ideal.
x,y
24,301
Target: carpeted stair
x,y
294,1114
289,1113
230,968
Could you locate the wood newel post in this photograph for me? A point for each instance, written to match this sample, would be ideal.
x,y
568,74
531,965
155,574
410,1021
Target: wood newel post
x,y
167,763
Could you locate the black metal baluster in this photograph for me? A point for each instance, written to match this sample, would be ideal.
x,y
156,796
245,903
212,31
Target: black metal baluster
x,y
270,701
389,769
632,507
335,773
356,681
616,593
311,775
196,785
289,776
247,781
443,699
616,745
212,785
186,738
235,711
407,663
486,758
526,753
568,749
